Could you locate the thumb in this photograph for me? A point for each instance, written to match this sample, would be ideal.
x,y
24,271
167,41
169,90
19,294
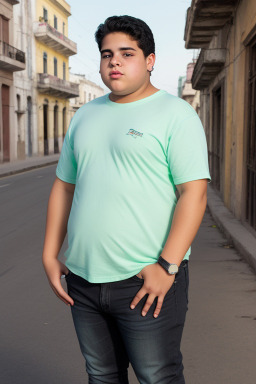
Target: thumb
x,y
60,292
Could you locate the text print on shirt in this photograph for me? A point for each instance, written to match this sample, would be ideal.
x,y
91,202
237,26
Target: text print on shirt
x,y
134,133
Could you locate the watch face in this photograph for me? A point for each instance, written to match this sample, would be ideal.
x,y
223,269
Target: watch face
x,y
173,269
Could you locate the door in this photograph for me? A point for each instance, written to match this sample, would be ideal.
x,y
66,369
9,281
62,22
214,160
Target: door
x,y
6,122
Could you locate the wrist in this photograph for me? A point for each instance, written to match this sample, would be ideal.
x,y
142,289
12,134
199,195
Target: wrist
x,y
170,268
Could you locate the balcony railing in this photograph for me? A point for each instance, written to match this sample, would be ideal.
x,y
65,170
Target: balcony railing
x,y
57,87
54,39
13,52
11,58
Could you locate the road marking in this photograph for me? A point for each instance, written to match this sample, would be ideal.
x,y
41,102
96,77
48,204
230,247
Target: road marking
x,y
5,185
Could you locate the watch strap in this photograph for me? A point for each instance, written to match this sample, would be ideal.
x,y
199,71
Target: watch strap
x,y
165,264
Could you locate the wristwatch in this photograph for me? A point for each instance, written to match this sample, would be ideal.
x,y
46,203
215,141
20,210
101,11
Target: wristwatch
x,y
172,269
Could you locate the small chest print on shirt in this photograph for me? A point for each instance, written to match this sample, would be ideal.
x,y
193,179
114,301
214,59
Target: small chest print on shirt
x,y
134,133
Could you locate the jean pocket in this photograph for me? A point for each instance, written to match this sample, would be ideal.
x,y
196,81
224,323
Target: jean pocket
x,y
137,278
68,275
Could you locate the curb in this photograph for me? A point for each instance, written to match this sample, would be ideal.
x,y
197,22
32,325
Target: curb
x,y
27,168
233,229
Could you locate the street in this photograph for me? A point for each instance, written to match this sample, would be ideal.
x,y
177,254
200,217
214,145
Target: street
x,y
38,342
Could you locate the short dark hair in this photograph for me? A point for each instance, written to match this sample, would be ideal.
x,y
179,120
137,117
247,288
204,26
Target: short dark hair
x,y
137,29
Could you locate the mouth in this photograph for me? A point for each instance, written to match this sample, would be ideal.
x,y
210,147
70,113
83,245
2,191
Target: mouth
x,y
115,74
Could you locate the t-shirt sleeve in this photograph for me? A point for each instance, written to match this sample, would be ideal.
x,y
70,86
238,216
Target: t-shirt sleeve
x,y
187,151
67,166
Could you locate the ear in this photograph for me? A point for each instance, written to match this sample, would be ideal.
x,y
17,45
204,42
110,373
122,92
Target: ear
x,y
150,60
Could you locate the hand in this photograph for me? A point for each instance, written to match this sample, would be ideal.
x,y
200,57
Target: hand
x,y
157,282
54,269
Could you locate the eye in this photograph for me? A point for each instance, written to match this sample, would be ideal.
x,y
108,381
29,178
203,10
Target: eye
x,y
105,56
128,54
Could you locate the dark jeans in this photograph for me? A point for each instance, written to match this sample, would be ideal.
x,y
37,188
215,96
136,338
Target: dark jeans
x,y
111,334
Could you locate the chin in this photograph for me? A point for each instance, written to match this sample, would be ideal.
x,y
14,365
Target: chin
x,y
120,93
116,88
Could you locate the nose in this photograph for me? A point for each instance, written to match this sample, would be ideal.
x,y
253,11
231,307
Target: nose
x,y
114,61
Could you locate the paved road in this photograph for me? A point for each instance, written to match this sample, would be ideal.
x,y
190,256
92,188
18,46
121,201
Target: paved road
x,y
38,344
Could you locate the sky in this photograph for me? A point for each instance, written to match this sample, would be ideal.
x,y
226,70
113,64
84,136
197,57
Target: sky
x,y
166,19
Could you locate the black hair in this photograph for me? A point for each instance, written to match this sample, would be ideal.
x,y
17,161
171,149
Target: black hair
x,y
137,29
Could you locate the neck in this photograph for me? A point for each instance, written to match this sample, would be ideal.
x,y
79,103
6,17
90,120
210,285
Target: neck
x,y
134,96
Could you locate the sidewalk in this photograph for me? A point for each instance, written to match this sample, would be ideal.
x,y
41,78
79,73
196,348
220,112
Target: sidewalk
x,y
14,167
219,341
233,229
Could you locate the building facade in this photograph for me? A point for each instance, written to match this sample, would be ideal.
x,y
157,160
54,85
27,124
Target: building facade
x,y
225,74
35,111
11,61
24,127
53,49
87,92
186,92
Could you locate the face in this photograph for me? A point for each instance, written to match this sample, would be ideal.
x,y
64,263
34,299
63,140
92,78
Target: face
x,y
123,66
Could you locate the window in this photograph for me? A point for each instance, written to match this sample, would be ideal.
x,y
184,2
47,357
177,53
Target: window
x,y
90,97
63,28
45,13
55,67
94,96
55,22
45,62
64,71
18,102
85,97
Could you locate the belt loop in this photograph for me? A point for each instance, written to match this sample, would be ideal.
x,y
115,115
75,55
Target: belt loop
x,y
184,263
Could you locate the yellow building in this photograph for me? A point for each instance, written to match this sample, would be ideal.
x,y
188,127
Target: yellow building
x,y
52,50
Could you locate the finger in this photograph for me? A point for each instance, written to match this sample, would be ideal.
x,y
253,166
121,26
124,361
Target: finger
x,y
148,304
139,295
159,304
59,291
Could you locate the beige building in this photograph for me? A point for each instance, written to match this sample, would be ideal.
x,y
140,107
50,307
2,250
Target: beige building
x,y
11,61
225,74
24,127
87,92
192,96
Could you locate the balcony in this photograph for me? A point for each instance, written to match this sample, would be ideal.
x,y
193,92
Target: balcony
x,y
204,18
12,2
76,105
210,62
11,59
52,85
54,39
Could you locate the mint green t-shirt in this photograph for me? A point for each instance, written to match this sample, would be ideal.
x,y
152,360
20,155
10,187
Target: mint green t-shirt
x,y
125,160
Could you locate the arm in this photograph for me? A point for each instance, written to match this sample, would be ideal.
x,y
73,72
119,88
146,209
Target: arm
x,y
59,206
187,218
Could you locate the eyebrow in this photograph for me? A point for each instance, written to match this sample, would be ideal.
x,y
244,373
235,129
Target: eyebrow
x,y
120,49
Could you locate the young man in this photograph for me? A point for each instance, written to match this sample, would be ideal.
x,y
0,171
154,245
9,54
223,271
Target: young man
x,y
123,158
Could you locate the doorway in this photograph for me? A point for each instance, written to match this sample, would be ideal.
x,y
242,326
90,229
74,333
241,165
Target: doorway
x,y
6,121
45,116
